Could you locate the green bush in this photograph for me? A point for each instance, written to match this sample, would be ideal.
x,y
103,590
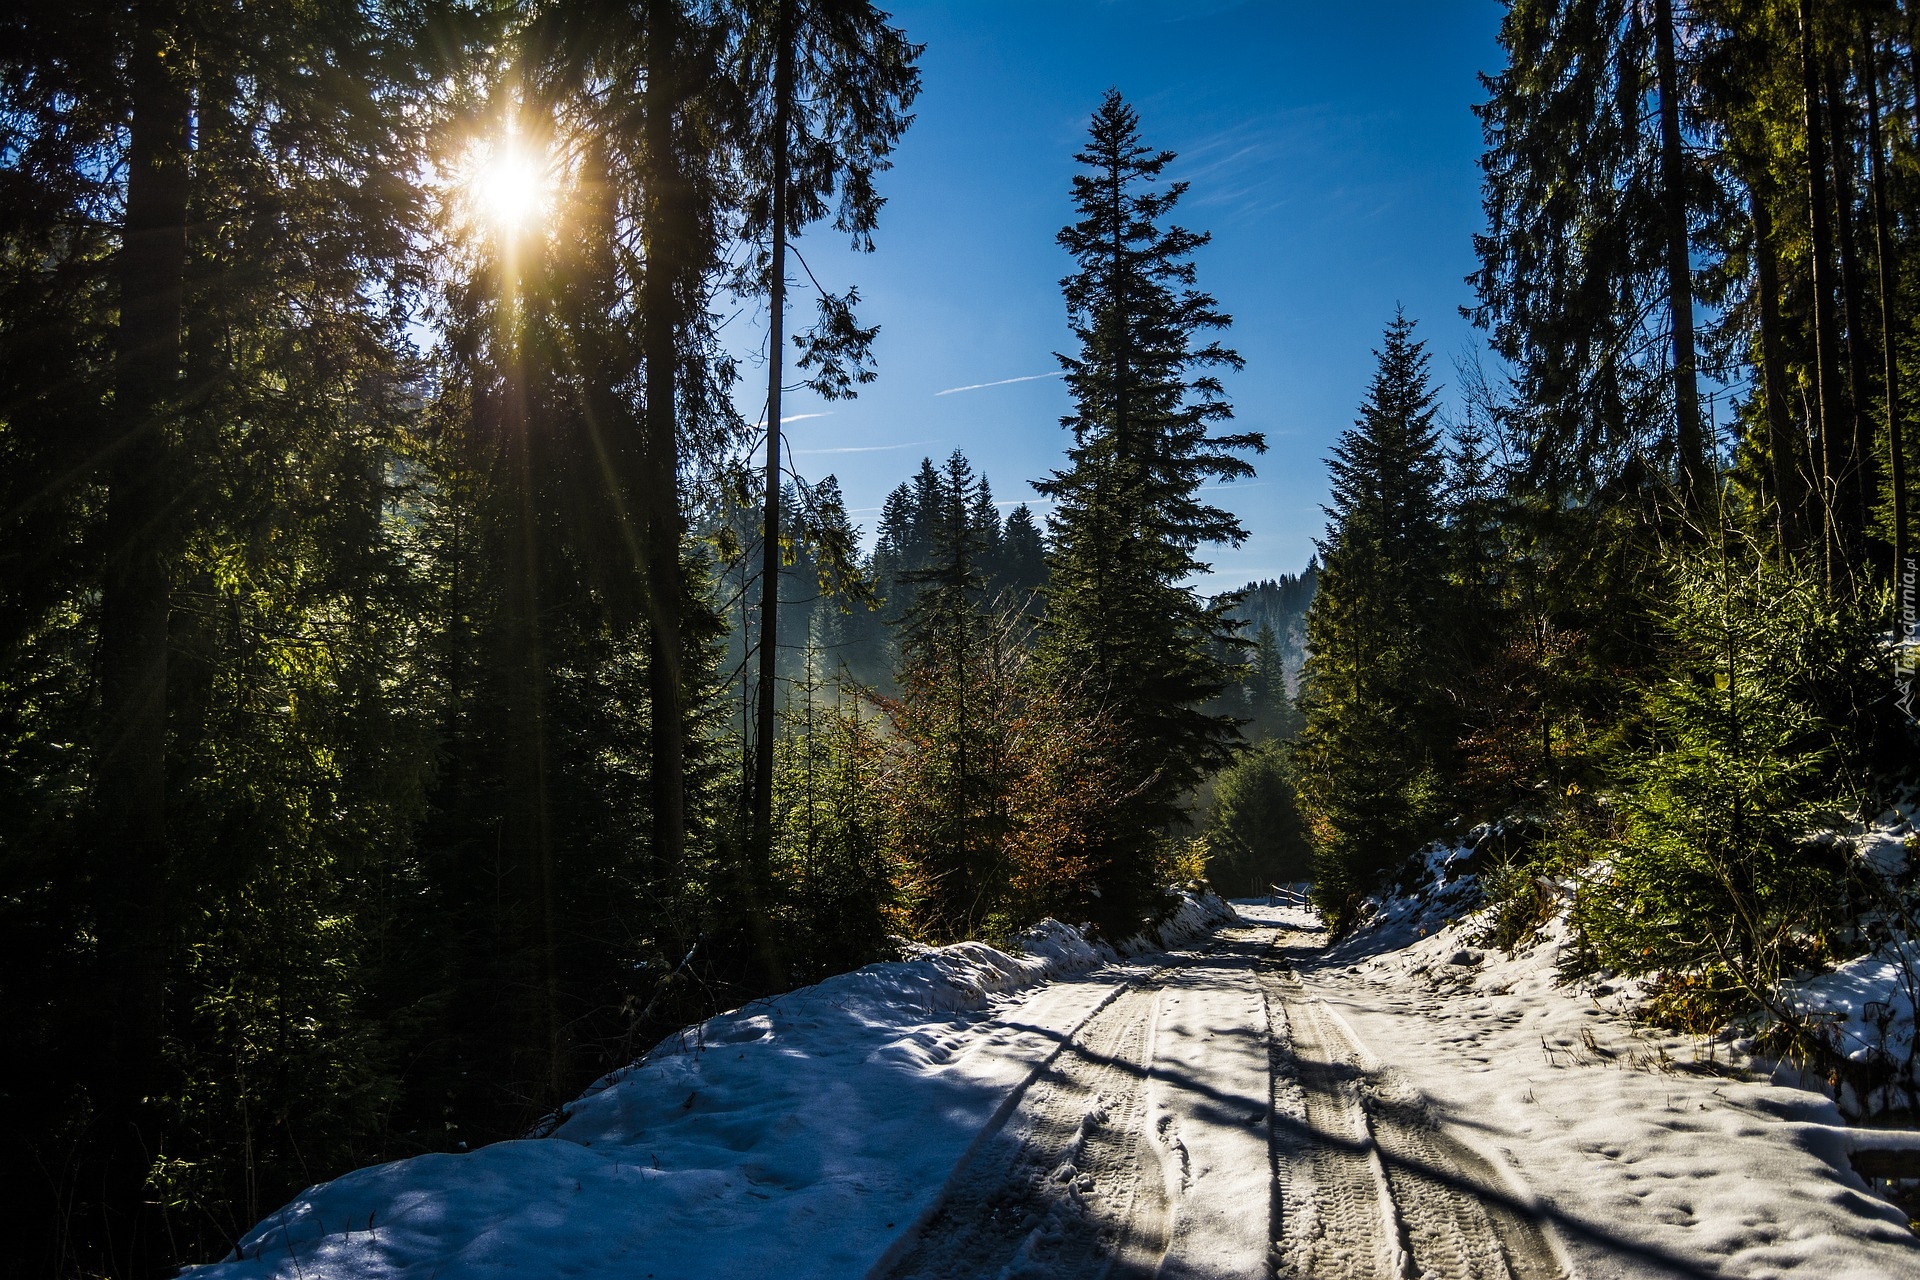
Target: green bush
x,y
1719,878
1255,836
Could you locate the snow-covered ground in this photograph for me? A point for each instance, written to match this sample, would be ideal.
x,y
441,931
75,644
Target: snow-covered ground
x,y
799,1136
922,1117
1865,1006
1648,1153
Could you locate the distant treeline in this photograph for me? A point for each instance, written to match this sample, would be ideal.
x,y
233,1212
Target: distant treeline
x,y
856,636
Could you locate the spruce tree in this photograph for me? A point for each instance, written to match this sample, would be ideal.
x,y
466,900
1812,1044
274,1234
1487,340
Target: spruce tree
x,y
983,518
1589,206
1376,727
951,668
1130,522
947,588
905,537
1022,567
1757,723
1270,711
1255,836
142,533
1474,555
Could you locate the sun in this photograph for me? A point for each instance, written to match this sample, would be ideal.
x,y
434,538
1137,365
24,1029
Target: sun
x,y
509,186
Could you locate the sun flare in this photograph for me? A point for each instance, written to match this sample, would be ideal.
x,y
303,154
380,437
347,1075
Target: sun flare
x,y
509,186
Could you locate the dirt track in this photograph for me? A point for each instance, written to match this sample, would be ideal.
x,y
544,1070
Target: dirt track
x,y
1140,1149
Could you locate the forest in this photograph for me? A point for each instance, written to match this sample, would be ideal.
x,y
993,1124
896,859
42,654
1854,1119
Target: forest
x,y
1646,605
423,685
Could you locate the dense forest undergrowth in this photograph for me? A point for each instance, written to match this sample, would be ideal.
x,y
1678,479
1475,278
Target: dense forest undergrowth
x,y
422,685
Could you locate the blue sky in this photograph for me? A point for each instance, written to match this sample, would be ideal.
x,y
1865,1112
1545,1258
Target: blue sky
x,y
1332,153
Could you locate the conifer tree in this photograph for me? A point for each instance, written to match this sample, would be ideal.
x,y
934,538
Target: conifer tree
x,y
177,231
1270,710
983,518
1376,730
839,885
643,91
1675,204
142,532
953,663
1255,836
1474,555
939,622
1022,568
1747,70
1715,874
925,499
1002,795
1589,210
189,226
1886,256
1130,523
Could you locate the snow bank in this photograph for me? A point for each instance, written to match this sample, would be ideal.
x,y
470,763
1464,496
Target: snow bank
x,y
1437,889
1647,1153
1864,1007
799,1133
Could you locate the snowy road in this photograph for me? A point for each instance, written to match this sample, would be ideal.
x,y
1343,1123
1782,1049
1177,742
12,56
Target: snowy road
x,y
1210,1117
1367,1184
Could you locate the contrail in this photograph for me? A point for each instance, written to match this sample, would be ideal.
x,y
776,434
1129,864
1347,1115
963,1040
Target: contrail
x,y
1032,377
785,418
867,448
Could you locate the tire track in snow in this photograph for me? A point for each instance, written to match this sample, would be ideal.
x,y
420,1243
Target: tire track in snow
x,y
1082,1178
1070,1184
1366,1183
1332,1219
1451,1199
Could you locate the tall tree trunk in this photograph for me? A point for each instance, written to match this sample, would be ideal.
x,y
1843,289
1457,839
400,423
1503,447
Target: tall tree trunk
x,y
1689,438
668,227
1789,490
539,1041
1827,416
1884,254
760,840
130,770
1913,62
1856,482
605,362
1889,285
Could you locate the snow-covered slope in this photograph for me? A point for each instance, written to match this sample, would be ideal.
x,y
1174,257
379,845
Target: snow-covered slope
x,y
1648,1153
1865,1006
795,1137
